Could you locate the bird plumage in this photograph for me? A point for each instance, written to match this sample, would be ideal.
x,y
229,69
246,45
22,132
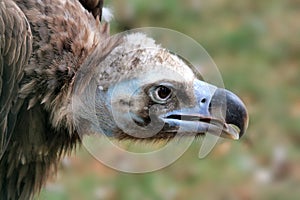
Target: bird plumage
x,y
43,43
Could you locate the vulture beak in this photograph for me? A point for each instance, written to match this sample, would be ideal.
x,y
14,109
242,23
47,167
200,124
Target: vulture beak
x,y
217,111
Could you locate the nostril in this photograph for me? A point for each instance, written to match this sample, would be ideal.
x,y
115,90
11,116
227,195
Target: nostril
x,y
203,100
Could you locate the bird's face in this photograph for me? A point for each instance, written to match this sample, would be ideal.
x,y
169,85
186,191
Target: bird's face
x,y
158,96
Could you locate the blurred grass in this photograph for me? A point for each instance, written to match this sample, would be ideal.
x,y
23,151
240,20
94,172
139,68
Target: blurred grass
x,y
256,46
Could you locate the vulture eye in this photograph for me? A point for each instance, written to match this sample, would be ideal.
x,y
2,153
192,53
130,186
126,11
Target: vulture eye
x,y
161,94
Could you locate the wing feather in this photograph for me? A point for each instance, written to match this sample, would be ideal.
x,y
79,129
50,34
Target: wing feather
x,y
15,50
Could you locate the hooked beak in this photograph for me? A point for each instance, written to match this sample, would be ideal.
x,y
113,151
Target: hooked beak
x,y
217,111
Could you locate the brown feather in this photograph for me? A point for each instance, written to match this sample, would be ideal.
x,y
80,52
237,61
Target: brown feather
x,y
43,44
93,6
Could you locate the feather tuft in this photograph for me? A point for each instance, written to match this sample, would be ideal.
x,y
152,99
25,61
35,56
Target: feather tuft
x,y
107,14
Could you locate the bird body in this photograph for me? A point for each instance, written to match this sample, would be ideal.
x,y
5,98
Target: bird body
x,y
43,43
52,48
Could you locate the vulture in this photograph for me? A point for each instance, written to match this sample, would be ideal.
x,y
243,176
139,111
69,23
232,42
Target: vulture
x,y
52,49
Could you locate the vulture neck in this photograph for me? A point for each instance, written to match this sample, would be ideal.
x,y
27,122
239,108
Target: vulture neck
x,y
63,40
65,36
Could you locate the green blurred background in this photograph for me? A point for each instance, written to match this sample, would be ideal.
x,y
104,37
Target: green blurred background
x,y
256,46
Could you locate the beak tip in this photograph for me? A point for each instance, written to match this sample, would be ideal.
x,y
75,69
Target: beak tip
x,y
234,110
245,124
243,117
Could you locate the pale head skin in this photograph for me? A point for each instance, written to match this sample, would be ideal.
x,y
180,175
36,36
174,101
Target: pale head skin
x,y
127,82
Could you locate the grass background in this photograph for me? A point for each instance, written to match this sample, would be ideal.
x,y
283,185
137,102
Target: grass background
x,y
256,46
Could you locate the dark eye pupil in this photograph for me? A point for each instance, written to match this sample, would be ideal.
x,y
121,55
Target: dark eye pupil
x,y
163,92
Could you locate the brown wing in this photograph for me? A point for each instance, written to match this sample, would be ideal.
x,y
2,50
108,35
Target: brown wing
x,y
15,49
93,6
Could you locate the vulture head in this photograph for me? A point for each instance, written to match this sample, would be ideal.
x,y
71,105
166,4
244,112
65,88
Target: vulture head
x,y
143,91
